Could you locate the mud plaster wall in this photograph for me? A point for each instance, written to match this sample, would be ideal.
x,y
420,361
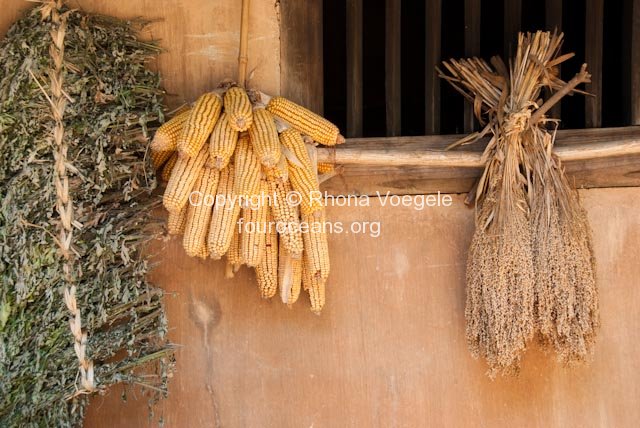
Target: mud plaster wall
x,y
389,349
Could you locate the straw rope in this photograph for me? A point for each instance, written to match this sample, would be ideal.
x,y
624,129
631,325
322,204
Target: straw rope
x,y
64,202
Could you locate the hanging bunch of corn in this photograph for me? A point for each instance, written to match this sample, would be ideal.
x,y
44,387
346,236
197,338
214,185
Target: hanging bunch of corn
x,y
237,165
530,268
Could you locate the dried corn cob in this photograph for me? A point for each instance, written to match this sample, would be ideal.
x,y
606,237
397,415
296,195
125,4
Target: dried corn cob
x,y
317,294
238,106
166,137
176,221
199,211
325,167
316,248
301,172
267,269
234,254
285,215
199,124
225,215
223,142
184,175
158,158
253,236
289,275
306,276
247,170
315,286
203,253
307,122
167,169
264,138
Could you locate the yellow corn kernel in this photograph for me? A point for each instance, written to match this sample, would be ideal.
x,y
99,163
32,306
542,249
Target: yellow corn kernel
x,y
316,248
305,121
223,142
302,175
184,176
199,211
284,213
225,215
166,137
289,275
267,269
158,158
254,232
238,106
176,221
325,167
247,169
199,124
167,169
264,138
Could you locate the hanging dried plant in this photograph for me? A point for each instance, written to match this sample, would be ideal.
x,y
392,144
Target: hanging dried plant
x,y
530,268
76,99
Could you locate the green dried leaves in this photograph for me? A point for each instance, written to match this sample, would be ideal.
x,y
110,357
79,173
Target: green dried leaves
x,y
114,98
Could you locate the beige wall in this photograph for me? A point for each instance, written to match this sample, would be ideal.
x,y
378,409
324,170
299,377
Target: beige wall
x,y
200,37
389,349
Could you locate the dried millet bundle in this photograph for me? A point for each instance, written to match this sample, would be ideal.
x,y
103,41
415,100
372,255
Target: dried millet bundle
x,y
531,267
566,293
500,276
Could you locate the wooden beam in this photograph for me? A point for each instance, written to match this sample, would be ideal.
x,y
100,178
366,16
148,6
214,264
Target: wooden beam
x,y
606,157
301,58
512,24
354,68
635,63
471,48
393,89
467,159
433,48
593,57
553,21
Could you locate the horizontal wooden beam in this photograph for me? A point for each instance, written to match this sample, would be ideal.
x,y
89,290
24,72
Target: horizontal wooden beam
x,y
608,157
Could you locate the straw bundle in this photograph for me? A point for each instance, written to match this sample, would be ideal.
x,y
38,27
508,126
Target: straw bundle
x,y
530,268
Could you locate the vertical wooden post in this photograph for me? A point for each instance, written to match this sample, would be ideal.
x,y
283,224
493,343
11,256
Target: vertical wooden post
x,y
354,68
553,21
471,49
432,58
393,89
301,57
635,63
512,24
593,57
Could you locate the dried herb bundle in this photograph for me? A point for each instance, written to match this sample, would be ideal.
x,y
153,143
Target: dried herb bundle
x,y
111,98
530,268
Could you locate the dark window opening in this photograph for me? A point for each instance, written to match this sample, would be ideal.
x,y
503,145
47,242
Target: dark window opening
x,y
615,67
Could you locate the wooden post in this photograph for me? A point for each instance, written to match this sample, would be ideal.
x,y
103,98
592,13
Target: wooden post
x,y
354,68
553,21
301,59
593,57
635,63
432,59
393,89
471,49
512,24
